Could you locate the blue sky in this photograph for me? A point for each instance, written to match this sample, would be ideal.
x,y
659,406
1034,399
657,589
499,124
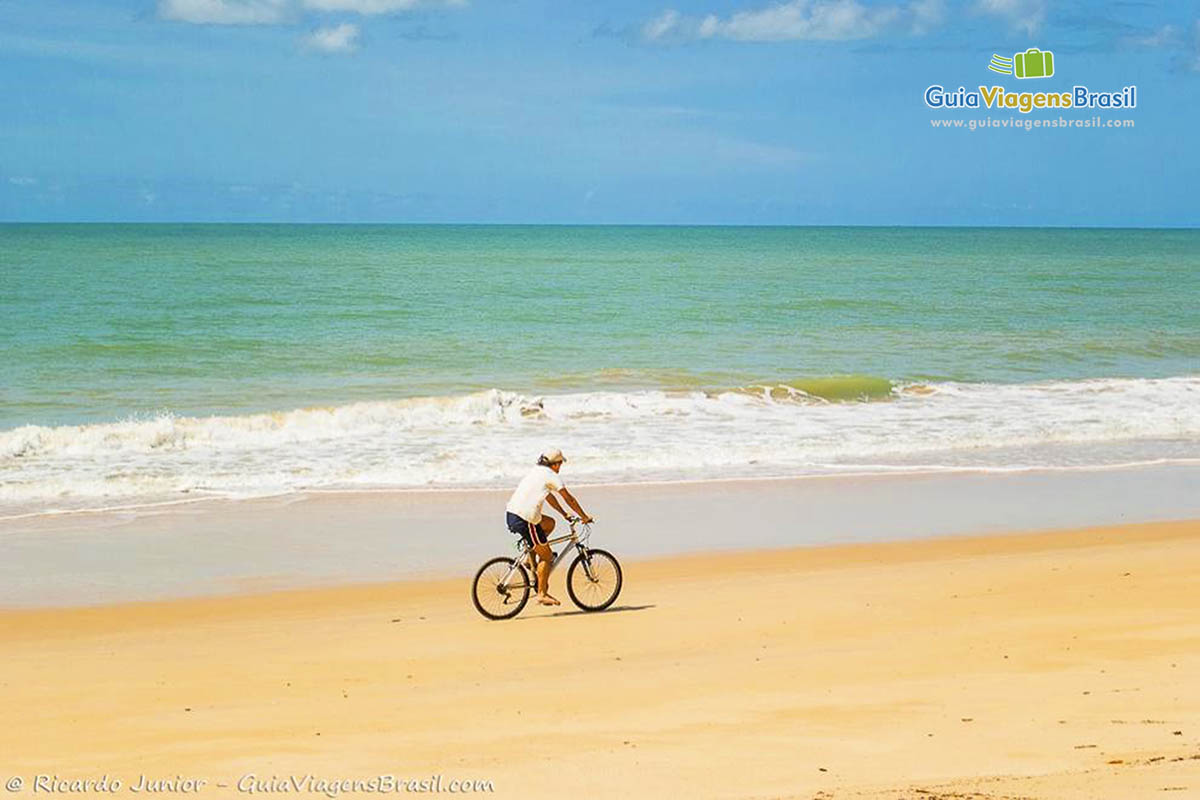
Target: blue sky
x,y
681,111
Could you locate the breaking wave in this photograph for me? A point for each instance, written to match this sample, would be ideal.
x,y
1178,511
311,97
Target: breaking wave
x,y
809,426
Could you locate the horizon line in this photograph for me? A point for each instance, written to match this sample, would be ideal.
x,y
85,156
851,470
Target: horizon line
x,y
310,223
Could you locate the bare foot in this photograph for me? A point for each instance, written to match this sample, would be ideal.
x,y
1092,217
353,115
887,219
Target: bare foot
x,y
547,600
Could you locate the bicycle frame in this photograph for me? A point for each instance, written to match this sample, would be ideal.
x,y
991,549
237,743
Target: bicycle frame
x,y
574,538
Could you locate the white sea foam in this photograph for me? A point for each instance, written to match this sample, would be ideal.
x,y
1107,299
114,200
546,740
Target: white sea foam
x,y
487,438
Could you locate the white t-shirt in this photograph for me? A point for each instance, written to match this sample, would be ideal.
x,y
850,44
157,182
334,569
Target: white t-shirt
x,y
526,501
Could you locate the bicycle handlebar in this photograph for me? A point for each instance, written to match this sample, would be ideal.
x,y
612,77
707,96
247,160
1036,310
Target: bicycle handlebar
x,y
576,522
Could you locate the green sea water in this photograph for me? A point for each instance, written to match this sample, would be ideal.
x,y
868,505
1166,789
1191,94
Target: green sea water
x,y
148,364
101,322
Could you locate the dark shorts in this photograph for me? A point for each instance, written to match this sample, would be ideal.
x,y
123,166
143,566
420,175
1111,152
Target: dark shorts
x,y
524,529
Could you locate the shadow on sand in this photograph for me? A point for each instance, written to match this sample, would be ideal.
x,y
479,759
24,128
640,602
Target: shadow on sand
x,y
578,612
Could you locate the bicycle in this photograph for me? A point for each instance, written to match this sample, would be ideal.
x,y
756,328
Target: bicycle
x,y
502,585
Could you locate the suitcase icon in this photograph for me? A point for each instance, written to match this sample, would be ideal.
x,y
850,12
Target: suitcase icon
x,y
1034,63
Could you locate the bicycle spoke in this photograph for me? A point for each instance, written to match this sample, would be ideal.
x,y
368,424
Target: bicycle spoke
x,y
595,583
500,590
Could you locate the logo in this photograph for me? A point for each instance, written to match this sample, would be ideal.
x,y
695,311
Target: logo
x,y
1033,63
1001,64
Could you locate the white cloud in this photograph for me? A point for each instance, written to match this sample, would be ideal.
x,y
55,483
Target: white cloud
x,y
662,26
927,15
371,7
336,39
224,12
1026,15
21,180
797,20
801,19
361,6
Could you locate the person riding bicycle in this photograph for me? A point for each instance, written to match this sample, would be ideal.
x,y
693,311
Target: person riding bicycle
x,y
523,514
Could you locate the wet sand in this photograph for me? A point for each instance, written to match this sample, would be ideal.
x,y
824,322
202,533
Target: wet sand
x,y
1041,665
322,539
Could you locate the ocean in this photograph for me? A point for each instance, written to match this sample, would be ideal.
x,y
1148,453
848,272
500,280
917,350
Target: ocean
x,y
144,364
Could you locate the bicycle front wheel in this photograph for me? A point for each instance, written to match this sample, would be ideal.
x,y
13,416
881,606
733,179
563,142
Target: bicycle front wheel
x,y
594,580
501,589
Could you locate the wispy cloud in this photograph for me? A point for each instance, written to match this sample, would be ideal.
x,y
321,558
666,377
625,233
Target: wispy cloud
x,y
1192,62
927,15
1025,15
663,26
334,39
271,12
798,20
340,38
749,153
1166,36
370,7
22,180
224,12
1173,39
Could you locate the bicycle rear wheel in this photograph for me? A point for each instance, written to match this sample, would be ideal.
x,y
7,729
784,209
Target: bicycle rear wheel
x,y
596,586
495,598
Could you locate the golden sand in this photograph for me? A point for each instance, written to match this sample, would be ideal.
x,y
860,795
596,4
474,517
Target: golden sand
x,y
1048,665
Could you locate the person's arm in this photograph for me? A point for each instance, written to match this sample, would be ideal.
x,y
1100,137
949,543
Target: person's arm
x,y
573,503
553,501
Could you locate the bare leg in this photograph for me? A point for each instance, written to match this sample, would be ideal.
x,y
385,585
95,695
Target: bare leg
x,y
544,559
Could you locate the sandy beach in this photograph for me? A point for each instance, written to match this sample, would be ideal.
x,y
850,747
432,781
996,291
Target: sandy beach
x,y
872,365
1032,665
